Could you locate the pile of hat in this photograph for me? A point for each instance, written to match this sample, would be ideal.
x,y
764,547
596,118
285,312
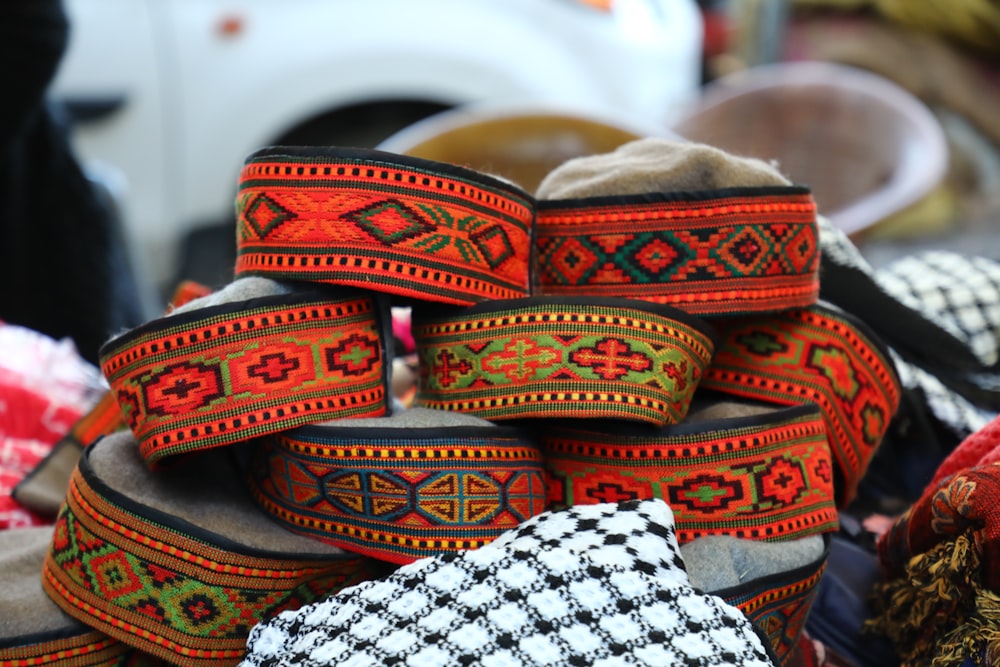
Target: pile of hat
x,y
630,400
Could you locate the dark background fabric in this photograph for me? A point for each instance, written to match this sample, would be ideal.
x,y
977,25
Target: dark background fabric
x,y
64,269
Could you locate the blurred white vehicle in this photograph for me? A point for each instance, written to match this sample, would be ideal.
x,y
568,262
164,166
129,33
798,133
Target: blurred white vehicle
x,y
171,95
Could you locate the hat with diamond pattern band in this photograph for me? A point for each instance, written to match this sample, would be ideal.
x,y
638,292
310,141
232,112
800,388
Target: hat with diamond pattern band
x,y
33,630
593,585
220,371
419,483
180,563
576,357
406,226
818,354
744,469
677,223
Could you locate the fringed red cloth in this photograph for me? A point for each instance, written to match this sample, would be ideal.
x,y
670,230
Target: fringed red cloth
x,y
939,603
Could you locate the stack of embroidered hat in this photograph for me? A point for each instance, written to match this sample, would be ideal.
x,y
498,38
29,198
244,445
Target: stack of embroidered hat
x,y
578,322
611,332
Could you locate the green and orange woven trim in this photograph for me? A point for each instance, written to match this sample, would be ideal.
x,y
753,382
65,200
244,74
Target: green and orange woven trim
x,y
391,223
187,593
399,494
562,357
821,355
713,253
88,649
779,604
228,373
763,477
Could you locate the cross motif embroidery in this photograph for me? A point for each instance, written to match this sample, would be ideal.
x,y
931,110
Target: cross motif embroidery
x,y
443,371
273,367
521,359
611,358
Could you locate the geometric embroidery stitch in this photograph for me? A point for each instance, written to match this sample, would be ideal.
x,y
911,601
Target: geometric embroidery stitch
x,y
814,355
552,357
225,374
399,494
384,222
732,252
759,477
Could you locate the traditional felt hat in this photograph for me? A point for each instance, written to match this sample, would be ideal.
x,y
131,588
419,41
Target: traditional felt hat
x,y
33,630
818,354
678,223
575,357
773,584
256,357
593,585
410,227
419,483
739,468
180,563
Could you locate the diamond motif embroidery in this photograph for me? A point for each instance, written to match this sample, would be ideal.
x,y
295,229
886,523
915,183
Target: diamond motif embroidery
x,y
390,221
569,262
494,244
181,387
264,214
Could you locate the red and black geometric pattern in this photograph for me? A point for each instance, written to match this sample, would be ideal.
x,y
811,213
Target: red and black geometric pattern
x,y
224,374
779,604
385,222
121,569
765,477
562,357
723,253
399,494
819,355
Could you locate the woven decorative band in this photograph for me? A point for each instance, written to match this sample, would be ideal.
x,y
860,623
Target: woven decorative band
x,y
779,604
562,357
89,649
33,629
399,495
762,477
726,252
228,373
402,225
166,586
821,355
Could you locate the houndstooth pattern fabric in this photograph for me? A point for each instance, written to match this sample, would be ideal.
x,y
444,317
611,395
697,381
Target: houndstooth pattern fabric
x,y
596,585
961,294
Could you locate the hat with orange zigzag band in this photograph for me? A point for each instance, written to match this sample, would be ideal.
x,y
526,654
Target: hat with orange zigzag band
x,y
33,629
821,355
390,223
220,374
747,470
561,357
180,563
420,483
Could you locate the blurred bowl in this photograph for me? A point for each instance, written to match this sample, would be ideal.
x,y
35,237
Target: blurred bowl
x,y
866,147
521,144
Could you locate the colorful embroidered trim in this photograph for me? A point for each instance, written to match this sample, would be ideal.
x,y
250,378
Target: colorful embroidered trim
x,y
391,223
228,373
762,477
568,357
90,648
726,252
399,496
779,604
821,355
168,588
